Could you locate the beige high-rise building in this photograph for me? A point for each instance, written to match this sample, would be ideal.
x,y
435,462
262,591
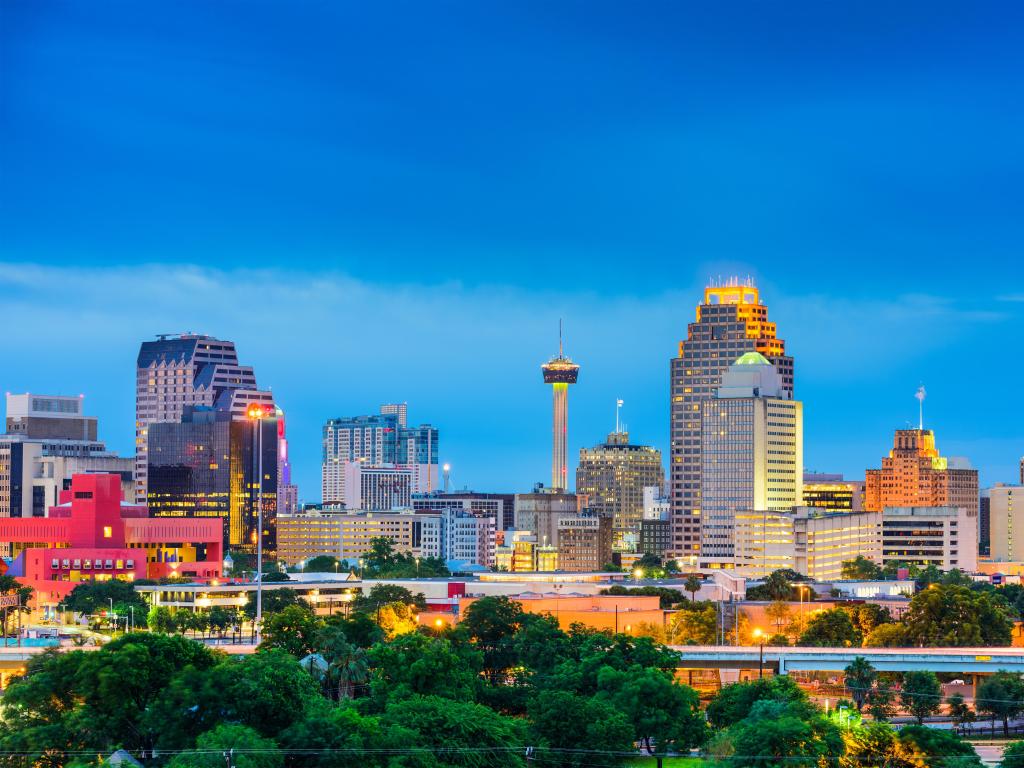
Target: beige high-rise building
x,y
1006,522
751,453
730,321
915,475
613,476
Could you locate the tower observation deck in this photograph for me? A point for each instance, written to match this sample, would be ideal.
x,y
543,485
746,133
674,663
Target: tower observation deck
x,y
559,372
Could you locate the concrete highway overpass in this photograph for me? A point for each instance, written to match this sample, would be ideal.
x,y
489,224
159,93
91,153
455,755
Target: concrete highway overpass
x,y
784,660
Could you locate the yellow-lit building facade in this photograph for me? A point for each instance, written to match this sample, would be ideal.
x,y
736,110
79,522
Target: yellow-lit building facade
x,y
613,476
349,536
915,475
521,553
809,541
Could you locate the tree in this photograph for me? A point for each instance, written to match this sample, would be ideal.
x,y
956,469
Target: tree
x,y
831,629
667,597
692,585
695,625
881,700
735,701
160,619
778,585
387,594
921,694
959,711
90,597
561,720
539,644
784,733
869,616
251,749
459,733
359,629
778,613
322,564
1013,755
9,586
665,714
293,629
274,600
347,664
955,616
491,624
886,636
221,619
860,677
416,664
935,747
275,577
861,568
120,684
340,737
1002,697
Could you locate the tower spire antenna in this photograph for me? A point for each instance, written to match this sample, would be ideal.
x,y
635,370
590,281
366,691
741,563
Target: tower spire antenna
x,y
560,337
920,395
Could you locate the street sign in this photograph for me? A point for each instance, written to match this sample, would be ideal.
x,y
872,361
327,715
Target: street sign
x,y
10,601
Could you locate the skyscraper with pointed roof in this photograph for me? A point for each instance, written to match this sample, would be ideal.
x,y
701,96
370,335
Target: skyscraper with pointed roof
x,y
730,322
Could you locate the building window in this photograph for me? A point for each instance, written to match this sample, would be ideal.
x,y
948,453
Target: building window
x,y
108,532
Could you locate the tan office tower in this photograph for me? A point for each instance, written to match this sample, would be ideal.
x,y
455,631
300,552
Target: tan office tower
x,y
730,322
613,476
915,475
751,454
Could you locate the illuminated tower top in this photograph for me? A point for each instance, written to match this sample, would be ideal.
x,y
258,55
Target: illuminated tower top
x,y
560,369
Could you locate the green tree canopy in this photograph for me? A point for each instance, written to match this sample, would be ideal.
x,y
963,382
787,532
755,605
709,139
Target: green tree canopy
x,y
387,594
417,664
778,585
274,600
936,748
921,694
251,749
491,624
783,733
831,629
734,702
955,616
861,568
1013,755
460,734
293,629
95,596
1001,696
665,715
887,636
563,721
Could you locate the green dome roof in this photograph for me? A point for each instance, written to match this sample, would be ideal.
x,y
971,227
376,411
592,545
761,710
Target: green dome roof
x,y
753,358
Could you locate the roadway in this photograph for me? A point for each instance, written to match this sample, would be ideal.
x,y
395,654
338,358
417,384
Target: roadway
x,y
784,660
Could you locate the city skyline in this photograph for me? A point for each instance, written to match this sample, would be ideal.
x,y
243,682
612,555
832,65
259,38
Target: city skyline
x,y
402,217
527,449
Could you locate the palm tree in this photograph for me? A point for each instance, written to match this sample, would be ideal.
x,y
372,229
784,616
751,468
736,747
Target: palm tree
x,y
860,676
692,585
347,666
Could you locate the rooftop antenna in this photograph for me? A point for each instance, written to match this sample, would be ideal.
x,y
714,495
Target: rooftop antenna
x,y
920,395
560,337
618,405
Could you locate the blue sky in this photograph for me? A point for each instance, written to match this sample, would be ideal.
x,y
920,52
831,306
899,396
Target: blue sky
x,y
384,201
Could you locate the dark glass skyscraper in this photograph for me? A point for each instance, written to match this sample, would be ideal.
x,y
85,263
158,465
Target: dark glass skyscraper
x,y
206,465
730,322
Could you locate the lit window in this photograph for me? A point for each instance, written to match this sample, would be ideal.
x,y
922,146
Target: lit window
x,y
108,532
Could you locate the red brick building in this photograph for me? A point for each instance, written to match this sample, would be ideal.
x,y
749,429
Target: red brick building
x,y
94,534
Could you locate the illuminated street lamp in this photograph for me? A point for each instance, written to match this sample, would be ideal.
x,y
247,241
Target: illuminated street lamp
x,y
638,574
759,636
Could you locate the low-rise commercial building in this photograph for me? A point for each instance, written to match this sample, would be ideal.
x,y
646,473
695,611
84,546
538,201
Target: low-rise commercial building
x,y
810,541
946,537
93,535
584,542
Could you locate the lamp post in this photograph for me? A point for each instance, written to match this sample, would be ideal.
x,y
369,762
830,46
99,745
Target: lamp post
x,y
637,575
256,414
759,636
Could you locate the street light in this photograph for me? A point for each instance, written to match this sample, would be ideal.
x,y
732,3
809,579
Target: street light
x,y
637,575
256,413
759,636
